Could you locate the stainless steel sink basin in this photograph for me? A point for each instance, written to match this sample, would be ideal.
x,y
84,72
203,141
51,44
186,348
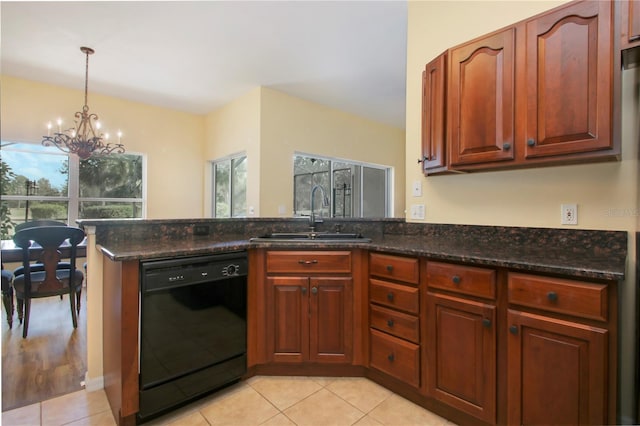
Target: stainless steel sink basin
x,y
311,237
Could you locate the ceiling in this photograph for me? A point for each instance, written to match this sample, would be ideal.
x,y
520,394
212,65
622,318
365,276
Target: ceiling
x,y
196,56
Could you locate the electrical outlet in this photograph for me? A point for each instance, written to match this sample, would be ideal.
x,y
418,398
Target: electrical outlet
x,y
417,188
569,214
417,211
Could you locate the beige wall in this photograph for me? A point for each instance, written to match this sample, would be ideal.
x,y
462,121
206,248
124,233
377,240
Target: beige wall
x,y
606,194
291,124
171,140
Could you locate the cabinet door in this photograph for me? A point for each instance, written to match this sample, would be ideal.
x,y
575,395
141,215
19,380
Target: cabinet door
x,y
629,17
481,114
330,319
461,354
568,80
288,319
433,115
556,371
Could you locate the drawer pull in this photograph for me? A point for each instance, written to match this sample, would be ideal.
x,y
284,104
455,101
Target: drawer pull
x,y
314,290
391,357
390,297
307,262
552,296
531,142
486,322
513,329
456,279
389,268
390,323
303,290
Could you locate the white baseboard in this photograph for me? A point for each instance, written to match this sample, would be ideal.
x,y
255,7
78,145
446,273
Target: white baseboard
x,y
94,383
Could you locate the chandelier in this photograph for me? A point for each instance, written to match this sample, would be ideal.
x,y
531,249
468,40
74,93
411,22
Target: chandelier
x,y
83,139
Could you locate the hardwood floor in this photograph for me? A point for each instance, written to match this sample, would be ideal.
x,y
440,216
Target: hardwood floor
x,y
51,361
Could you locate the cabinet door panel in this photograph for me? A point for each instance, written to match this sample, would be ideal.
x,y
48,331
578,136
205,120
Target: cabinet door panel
x,y
481,110
461,354
288,314
433,115
568,74
556,371
330,319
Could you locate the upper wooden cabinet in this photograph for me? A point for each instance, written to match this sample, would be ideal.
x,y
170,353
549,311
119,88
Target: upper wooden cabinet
x,y
536,93
480,101
568,80
629,17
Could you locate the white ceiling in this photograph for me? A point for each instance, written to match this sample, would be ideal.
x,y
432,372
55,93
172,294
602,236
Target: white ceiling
x,y
196,56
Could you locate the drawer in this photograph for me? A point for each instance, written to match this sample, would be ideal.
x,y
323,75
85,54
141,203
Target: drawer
x,y
396,357
393,322
395,267
308,261
469,280
397,296
577,298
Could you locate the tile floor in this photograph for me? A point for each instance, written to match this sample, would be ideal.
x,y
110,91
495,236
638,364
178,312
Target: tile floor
x,y
261,400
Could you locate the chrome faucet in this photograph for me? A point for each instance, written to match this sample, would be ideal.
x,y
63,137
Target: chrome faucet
x,y
325,203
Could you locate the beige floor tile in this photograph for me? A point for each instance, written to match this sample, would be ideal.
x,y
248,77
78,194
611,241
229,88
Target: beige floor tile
x,y
362,393
368,421
73,406
193,419
283,392
23,416
396,410
101,419
323,408
243,406
279,420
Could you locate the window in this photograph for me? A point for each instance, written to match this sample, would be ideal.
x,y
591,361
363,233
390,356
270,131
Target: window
x,y
44,183
230,187
354,189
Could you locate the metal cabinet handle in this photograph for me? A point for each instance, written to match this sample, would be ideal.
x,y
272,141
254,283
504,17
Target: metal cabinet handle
x,y
531,142
456,279
303,290
506,146
391,357
307,262
486,322
390,297
390,322
513,329
389,268
423,160
552,296
314,290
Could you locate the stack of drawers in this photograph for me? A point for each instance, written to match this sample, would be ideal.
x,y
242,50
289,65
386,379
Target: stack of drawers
x,y
394,316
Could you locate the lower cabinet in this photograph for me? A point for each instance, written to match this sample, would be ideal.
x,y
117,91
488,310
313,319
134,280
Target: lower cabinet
x,y
461,356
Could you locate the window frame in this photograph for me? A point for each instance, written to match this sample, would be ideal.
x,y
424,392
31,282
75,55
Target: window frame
x,y
213,164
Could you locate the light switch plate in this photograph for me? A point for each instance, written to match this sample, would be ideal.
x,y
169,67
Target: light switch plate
x,y
417,211
569,214
417,188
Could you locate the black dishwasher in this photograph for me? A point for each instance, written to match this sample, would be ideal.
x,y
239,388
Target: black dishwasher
x,y
193,329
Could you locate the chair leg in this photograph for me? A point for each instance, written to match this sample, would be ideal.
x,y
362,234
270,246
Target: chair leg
x,y
7,300
72,302
78,297
27,311
20,309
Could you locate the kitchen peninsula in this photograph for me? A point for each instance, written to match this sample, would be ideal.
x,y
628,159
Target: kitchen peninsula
x,y
445,315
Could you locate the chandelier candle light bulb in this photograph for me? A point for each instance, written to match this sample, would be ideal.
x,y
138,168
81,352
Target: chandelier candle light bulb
x,y
83,139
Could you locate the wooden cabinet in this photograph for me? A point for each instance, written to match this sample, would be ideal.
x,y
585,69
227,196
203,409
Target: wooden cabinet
x,y
560,359
434,80
461,338
480,100
568,72
309,306
538,92
628,14
394,313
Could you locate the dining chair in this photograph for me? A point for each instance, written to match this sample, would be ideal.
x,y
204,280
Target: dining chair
x,y
7,294
50,279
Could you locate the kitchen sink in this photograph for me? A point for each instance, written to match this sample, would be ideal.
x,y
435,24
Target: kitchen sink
x,y
311,237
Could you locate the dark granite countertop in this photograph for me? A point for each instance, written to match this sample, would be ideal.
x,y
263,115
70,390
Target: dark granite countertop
x,y
541,256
